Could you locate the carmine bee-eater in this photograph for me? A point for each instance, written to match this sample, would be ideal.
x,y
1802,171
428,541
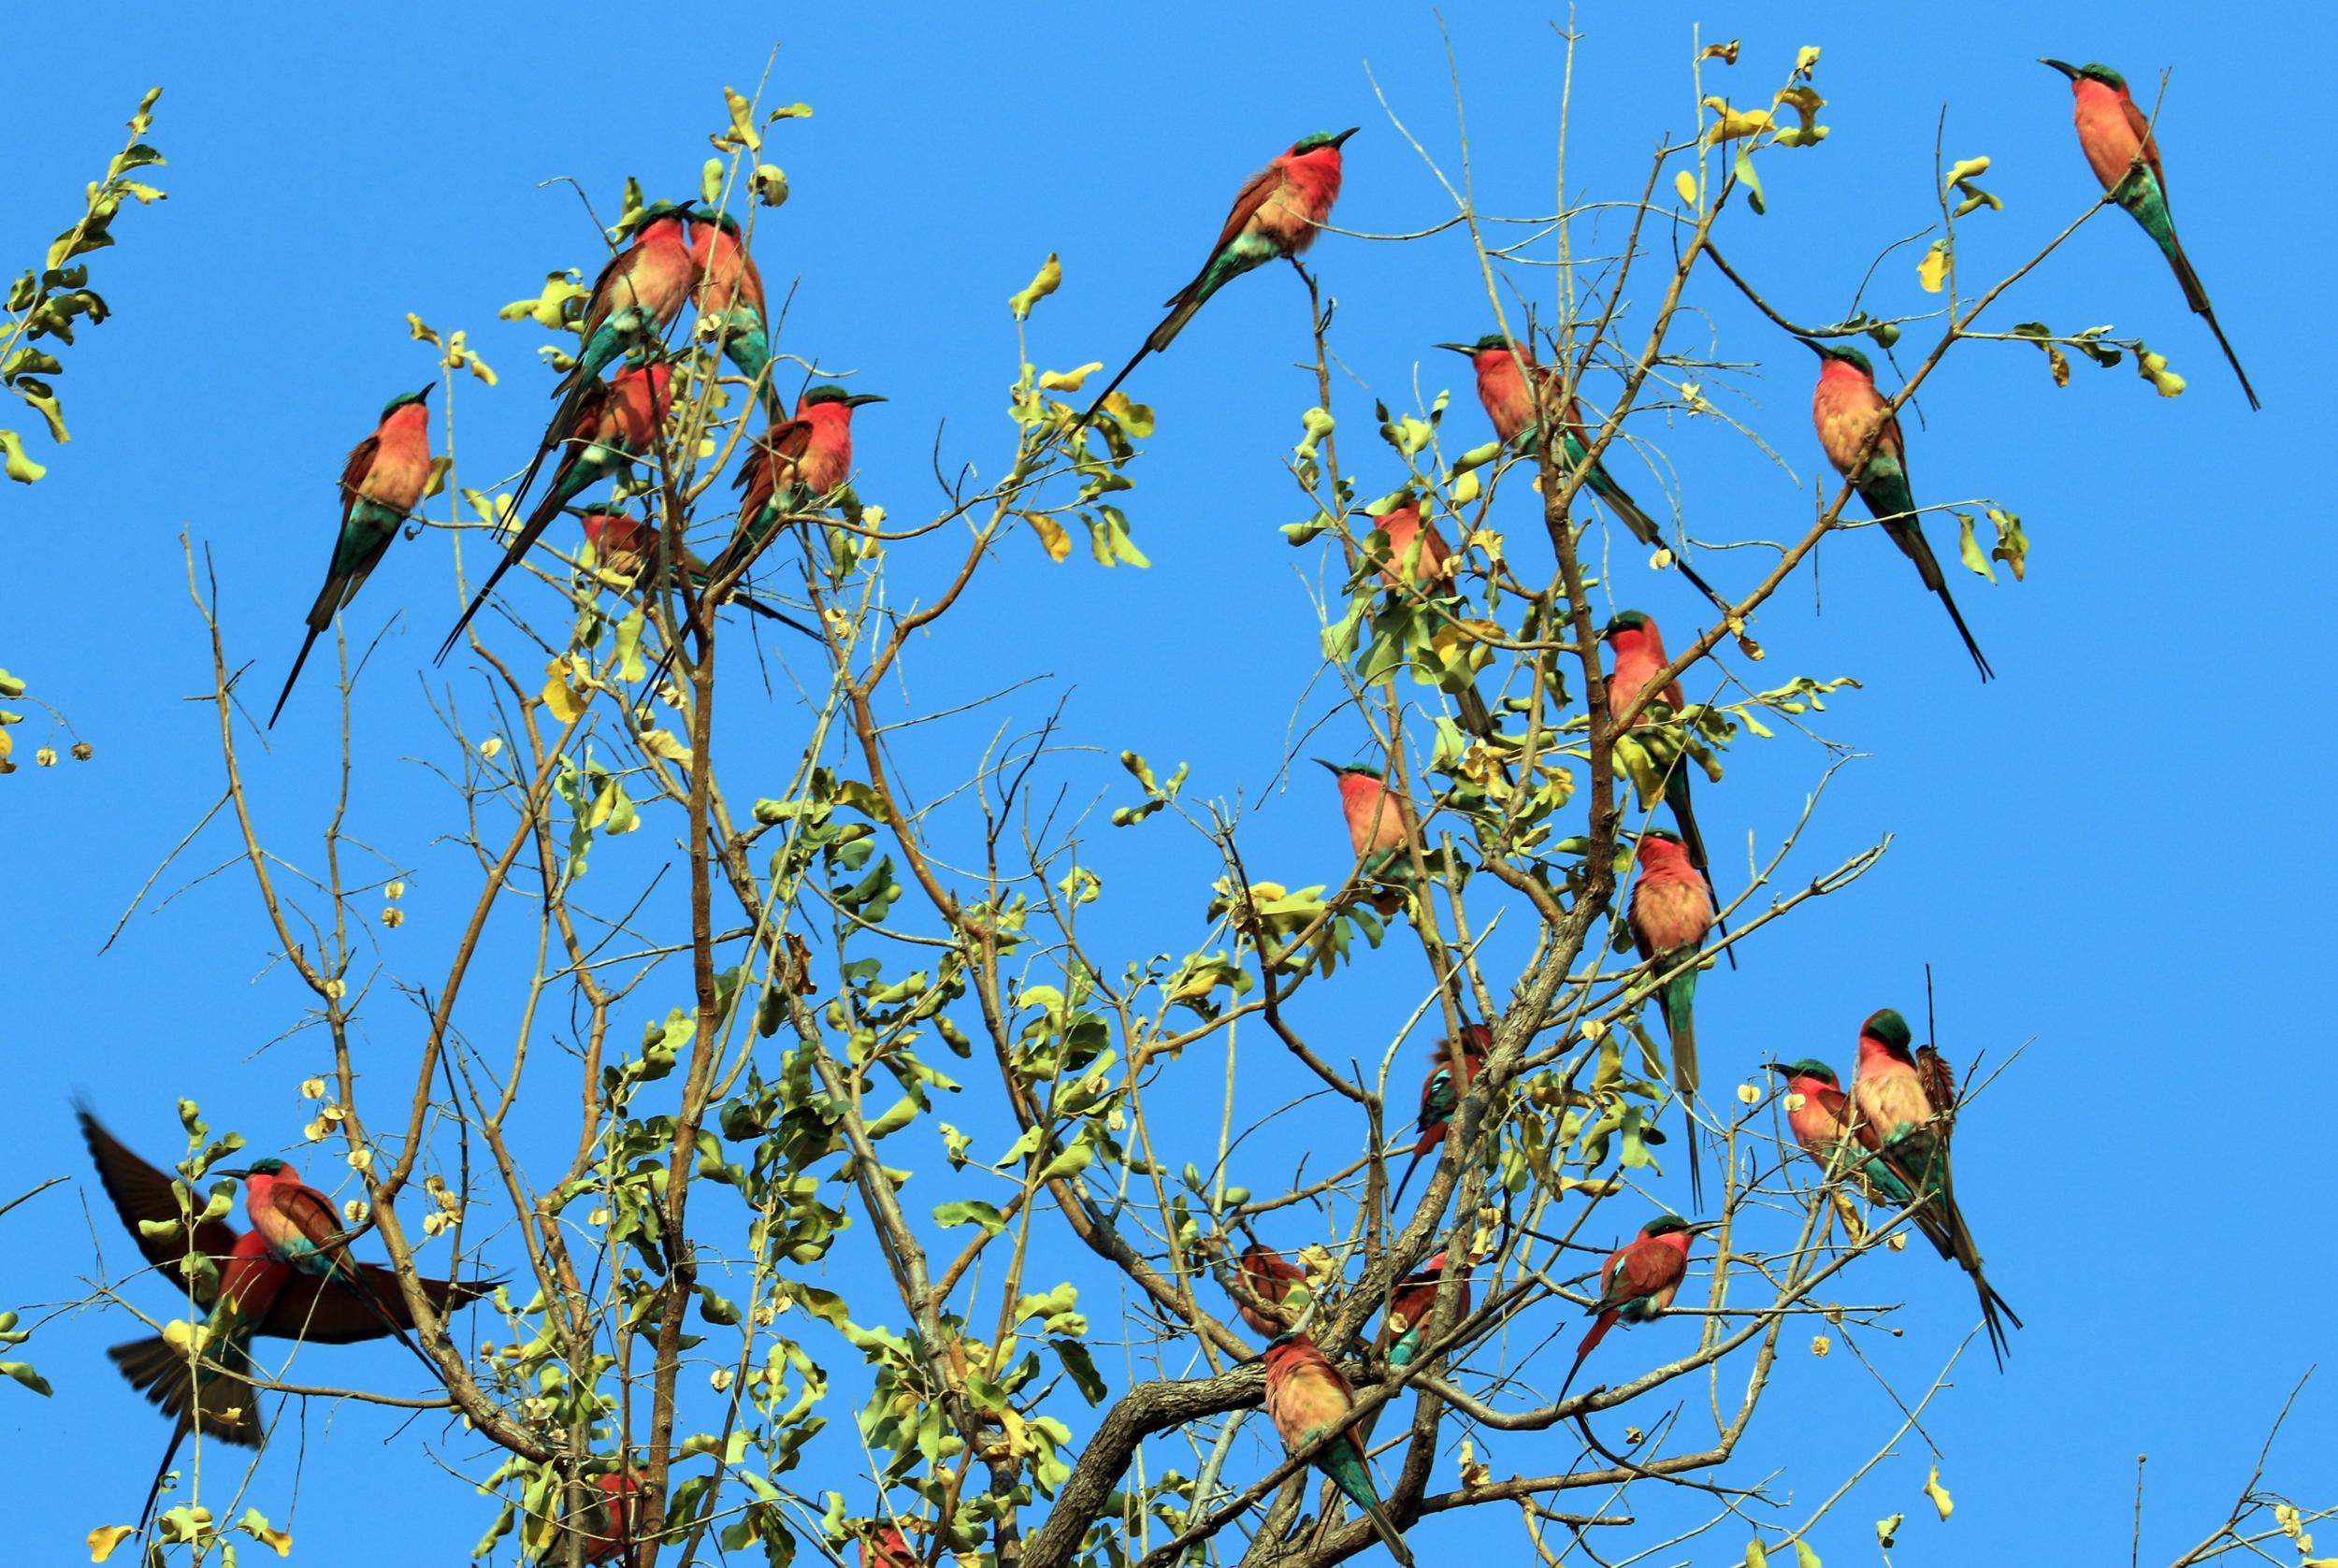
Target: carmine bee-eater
x,y
1277,215
1639,652
729,292
1847,409
1451,1073
1510,405
1668,918
203,1383
1417,555
2113,133
1275,1280
623,545
636,297
1825,1124
1907,1107
1638,1280
380,483
1411,1305
617,421
1306,1397
605,1527
883,1545
302,1228
1375,831
795,469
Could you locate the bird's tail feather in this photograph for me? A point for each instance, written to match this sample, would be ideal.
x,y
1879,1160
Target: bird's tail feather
x,y
1597,1332
1475,716
2196,296
302,657
1411,1166
1681,1024
1980,660
1643,526
1382,1527
1700,584
514,554
221,1401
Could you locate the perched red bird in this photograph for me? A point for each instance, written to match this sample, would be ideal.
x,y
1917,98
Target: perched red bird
x,y
1668,918
1846,408
251,1292
1509,403
1375,831
607,1528
1451,1073
1412,1304
883,1545
617,420
2113,133
1639,1280
1277,214
1306,1397
795,469
381,484
1425,569
1274,1279
1907,1106
729,293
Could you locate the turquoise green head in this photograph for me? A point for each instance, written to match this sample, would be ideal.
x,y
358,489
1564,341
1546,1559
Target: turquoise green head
x,y
830,393
2093,72
1808,1067
1844,352
1888,1026
1315,141
405,400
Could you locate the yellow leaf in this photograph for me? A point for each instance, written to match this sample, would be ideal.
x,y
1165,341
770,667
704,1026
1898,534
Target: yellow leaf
x,y
19,468
1685,183
1806,102
1804,1556
1965,169
279,1539
660,742
422,331
569,690
1968,549
770,185
1820,1346
1888,1530
1932,271
1726,53
1805,60
1466,489
1939,1494
2153,367
711,180
1052,538
106,1537
743,132
547,309
1734,122
1756,1555
1069,381
1045,282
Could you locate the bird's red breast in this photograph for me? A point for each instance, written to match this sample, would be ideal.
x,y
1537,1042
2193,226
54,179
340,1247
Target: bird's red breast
x,y
1373,823
653,275
2111,129
1823,1118
400,465
1402,525
1295,212
1886,1089
622,543
1640,658
1670,906
1844,408
727,274
1305,1393
1649,1266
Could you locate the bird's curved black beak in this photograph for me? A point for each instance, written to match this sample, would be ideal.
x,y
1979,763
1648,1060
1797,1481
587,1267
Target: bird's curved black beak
x,y
2069,70
1345,134
1815,346
424,395
1777,1066
1468,349
859,397
233,1175
1704,1225
1331,767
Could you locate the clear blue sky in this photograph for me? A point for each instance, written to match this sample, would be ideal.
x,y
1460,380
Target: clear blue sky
x,y
2080,851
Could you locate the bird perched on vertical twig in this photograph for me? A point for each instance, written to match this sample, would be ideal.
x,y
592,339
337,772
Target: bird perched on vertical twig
x,y
1908,1104
2113,133
380,483
1639,652
795,469
1277,215
1451,1071
1276,1282
728,292
617,421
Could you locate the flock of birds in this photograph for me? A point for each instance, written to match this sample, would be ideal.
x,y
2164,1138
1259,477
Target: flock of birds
x,y
292,1274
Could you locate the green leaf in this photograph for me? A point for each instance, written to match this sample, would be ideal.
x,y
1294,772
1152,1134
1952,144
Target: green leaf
x,y
22,1372
1968,549
1743,167
970,1212
17,466
1082,1368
